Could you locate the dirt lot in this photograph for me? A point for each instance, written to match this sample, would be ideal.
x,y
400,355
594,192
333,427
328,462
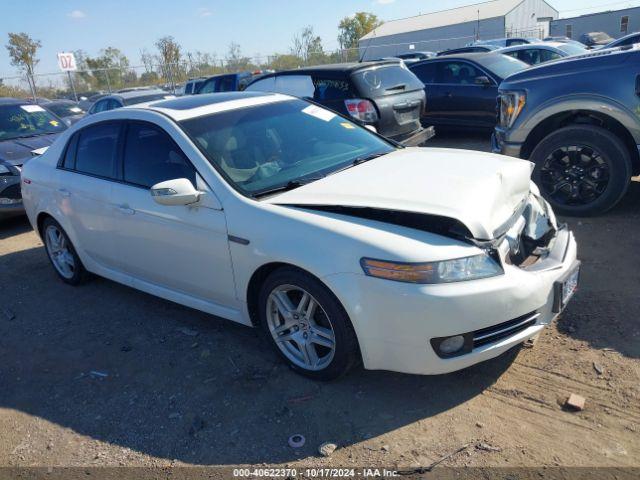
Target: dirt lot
x,y
105,375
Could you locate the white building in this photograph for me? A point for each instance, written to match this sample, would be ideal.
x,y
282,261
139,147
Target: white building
x,y
459,26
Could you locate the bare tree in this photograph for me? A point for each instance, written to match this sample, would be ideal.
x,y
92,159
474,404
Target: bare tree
x,y
235,60
148,59
306,45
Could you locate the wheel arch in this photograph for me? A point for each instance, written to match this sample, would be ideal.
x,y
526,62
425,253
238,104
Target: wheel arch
x,y
42,216
260,275
582,117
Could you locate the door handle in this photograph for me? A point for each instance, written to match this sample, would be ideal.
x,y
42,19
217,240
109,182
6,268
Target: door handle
x,y
64,192
125,210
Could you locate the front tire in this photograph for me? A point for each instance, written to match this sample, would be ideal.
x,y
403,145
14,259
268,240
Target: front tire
x,y
582,170
307,325
61,253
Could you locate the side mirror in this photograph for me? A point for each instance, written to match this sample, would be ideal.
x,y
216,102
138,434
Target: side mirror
x,y
483,80
179,191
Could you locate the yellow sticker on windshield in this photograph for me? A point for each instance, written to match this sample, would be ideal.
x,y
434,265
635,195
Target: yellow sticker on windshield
x,y
348,126
55,123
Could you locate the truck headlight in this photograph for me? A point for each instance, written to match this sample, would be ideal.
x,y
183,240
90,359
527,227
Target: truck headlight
x,y
511,104
445,271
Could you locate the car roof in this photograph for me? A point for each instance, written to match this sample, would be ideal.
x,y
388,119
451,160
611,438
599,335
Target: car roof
x,y
528,46
191,106
61,101
346,68
461,56
135,94
12,101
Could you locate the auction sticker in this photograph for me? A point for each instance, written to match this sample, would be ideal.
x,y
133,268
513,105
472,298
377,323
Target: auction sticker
x,y
32,108
320,113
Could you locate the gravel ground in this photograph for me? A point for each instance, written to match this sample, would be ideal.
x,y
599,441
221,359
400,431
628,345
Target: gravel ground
x,y
105,375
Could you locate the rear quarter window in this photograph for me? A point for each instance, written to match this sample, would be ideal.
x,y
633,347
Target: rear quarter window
x,y
387,80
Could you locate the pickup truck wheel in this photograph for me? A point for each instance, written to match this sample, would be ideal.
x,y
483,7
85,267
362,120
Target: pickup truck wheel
x,y
582,170
307,325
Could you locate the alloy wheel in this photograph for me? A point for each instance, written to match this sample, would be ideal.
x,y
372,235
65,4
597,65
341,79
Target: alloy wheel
x,y
300,327
59,252
574,175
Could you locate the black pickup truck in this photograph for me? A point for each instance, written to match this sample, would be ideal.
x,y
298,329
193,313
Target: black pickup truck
x,y
578,120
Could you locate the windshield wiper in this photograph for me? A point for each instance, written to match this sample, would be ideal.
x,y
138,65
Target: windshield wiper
x,y
290,185
400,86
33,135
359,160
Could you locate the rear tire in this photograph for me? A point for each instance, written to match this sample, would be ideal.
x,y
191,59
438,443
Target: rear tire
x,y
582,170
306,325
61,253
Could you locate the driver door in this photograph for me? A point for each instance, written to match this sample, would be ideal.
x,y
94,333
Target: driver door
x,y
180,248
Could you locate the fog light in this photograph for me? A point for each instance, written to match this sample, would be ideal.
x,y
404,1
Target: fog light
x,y
452,344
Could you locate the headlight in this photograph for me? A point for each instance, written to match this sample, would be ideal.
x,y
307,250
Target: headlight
x,y
511,104
5,171
445,271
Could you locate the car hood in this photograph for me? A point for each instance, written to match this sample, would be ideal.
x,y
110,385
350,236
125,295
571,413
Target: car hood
x,y
18,150
481,190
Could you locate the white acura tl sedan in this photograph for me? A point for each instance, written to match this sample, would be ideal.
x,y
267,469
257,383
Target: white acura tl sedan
x,y
271,211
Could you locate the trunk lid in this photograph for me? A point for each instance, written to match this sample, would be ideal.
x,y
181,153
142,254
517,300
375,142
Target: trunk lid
x,y
481,190
398,96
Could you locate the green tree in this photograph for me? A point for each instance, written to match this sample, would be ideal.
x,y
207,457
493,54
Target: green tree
x,y
170,55
22,52
107,69
351,29
284,62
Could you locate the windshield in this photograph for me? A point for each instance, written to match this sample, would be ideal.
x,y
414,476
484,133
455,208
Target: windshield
x,y
266,147
501,65
27,121
388,80
65,109
571,48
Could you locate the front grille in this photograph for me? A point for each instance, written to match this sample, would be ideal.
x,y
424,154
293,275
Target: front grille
x,y
503,330
12,191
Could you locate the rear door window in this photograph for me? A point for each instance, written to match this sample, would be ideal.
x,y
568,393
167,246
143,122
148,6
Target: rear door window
x,y
385,80
425,72
151,156
97,149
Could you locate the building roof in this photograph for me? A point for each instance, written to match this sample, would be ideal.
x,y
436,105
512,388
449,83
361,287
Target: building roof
x,y
605,12
468,13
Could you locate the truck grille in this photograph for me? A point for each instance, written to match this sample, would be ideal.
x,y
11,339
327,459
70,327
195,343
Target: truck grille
x,y
503,330
12,191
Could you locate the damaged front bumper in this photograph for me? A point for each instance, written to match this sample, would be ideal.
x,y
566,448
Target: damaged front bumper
x,y
398,324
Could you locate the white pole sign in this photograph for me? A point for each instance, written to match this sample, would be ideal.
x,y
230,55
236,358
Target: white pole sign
x,y
67,62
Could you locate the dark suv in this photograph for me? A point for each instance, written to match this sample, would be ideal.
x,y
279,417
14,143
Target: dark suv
x,y
383,94
578,120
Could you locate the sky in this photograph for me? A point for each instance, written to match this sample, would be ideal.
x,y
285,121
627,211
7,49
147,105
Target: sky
x,y
258,26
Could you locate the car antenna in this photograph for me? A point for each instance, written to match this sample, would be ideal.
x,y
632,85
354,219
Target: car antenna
x,y
367,47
